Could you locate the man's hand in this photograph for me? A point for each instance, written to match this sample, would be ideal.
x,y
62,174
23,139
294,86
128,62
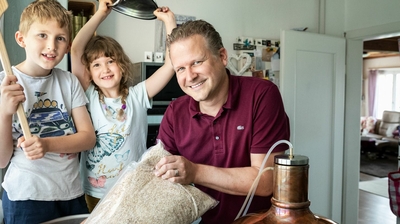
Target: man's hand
x,y
176,169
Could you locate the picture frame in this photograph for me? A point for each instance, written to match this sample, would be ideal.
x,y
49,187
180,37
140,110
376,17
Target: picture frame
x,y
158,57
148,56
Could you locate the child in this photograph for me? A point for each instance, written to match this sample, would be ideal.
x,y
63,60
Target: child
x,y
118,112
42,181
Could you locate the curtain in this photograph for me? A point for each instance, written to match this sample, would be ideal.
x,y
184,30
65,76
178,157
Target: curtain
x,y
371,92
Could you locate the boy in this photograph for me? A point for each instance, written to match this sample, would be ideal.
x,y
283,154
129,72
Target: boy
x,y
42,181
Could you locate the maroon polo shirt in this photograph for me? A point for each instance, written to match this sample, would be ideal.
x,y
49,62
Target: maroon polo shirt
x,y
251,121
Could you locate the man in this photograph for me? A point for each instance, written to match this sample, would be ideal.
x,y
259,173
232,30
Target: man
x,y
220,132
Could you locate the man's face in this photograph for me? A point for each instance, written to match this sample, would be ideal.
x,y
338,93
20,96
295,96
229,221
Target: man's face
x,y
198,71
45,44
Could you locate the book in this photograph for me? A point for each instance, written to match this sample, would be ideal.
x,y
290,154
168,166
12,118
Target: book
x,y
77,23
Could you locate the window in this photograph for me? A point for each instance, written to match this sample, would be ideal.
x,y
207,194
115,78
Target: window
x,y
387,96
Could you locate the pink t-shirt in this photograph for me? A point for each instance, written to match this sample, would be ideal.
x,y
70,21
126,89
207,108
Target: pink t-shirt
x,y
251,121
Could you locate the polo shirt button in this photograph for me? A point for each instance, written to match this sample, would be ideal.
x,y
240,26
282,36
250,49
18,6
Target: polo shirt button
x,y
216,137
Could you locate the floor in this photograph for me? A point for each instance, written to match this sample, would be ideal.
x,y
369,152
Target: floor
x,y
374,209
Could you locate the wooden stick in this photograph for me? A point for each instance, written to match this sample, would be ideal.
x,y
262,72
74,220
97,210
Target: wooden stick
x,y
5,62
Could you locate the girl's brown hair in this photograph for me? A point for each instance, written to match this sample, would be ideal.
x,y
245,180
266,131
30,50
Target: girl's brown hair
x,y
103,46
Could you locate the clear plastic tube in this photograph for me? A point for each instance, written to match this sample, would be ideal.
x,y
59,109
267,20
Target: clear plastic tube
x,y
253,188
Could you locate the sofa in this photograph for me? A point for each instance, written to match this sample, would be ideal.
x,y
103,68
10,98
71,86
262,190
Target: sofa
x,y
385,131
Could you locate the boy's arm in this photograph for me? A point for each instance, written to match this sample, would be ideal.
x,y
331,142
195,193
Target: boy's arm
x,y
83,139
6,142
156,82
11,95
82,38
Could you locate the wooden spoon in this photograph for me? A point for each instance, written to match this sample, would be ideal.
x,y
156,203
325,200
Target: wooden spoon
x,y
5,62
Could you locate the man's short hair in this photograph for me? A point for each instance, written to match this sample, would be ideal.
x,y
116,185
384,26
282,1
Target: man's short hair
x,y
197,27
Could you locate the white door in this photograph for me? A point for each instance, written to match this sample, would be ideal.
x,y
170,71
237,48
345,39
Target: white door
x,y
313,89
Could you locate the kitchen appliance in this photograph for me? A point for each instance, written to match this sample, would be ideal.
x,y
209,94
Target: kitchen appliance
x,y
142,71
169,93
140,9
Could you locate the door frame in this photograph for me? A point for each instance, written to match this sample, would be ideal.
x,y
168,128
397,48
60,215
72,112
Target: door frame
x,y
354,71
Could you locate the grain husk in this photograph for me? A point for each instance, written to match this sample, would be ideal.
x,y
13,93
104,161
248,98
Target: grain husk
x,y
141,197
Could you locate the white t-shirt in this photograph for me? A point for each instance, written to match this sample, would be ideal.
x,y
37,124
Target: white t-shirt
x,y
118,143
48,106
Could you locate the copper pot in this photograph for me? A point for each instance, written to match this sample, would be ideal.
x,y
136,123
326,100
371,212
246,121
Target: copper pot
x,y
290,204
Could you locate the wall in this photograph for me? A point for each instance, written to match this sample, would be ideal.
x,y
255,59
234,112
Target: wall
x,y
361,14
375,63
258,18
232,18
11,22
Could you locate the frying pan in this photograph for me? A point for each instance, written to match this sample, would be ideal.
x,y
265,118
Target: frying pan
x,y
5,62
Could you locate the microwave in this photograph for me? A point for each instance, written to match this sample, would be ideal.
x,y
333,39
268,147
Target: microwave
x,y
143,70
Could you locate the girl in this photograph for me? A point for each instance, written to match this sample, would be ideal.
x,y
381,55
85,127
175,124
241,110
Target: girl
x,y
118,112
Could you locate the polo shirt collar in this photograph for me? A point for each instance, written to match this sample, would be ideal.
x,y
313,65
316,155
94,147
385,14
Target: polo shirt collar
x,y
233,93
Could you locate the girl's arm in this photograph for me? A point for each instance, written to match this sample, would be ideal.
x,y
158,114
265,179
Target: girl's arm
x,y
82,38
156,82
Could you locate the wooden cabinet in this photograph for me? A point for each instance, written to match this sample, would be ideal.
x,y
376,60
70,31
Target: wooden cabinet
x,y
86,8
81,11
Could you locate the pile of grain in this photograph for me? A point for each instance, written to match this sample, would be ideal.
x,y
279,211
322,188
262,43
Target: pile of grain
x,y
141,197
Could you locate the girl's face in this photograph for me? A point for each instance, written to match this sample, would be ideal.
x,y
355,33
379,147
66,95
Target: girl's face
x,y
106,74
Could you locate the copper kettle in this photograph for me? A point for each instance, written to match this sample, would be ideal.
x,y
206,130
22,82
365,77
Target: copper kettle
x,y
290,204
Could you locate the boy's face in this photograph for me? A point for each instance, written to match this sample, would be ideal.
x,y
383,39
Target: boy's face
x,y
45,44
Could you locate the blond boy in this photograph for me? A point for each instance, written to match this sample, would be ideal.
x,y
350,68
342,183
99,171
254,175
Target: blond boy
x,y
42,181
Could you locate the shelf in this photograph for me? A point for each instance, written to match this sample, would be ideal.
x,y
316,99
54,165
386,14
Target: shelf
x,y
88,8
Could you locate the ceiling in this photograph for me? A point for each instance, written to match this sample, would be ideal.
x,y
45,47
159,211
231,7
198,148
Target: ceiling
x,y
381,48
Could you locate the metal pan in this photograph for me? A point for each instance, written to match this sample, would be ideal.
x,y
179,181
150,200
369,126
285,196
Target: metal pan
x,y
139,9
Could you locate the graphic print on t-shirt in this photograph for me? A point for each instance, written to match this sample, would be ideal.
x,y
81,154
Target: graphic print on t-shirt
x,y
106,144
97,182
47,118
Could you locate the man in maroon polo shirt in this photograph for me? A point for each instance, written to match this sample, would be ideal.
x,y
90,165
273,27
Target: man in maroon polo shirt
x,y
220,132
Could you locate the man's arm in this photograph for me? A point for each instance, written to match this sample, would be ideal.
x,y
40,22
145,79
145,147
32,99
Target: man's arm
x,y
236,181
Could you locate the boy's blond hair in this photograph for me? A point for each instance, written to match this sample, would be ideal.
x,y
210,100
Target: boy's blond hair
x,y
43,11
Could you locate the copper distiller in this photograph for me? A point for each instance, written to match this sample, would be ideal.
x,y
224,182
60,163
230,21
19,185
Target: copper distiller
x,y
290,204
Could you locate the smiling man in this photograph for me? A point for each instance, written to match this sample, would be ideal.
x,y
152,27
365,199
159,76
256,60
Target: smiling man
x,y
220,132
